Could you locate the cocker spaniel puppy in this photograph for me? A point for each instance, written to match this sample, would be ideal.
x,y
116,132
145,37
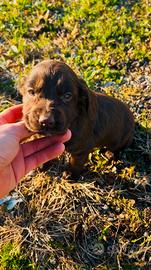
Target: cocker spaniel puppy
x,y
55,99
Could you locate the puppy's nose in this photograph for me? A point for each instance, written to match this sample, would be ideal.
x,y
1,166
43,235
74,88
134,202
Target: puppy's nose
x,y
46,121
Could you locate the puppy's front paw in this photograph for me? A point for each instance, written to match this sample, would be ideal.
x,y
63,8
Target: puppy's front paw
x,y
109,155
69,175
66,175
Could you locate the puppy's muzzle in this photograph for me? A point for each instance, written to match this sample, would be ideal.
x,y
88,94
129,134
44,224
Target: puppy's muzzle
x,y
49,121
46,121
52,122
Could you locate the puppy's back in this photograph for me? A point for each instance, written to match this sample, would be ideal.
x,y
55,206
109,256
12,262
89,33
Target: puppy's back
x,y
115,123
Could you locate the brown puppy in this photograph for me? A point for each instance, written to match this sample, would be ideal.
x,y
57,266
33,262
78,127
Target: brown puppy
x,y
55,99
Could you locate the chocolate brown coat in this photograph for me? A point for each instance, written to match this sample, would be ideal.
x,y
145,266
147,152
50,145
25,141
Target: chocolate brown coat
x,y
56,99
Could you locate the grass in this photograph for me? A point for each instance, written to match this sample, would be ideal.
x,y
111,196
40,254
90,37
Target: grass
x,y
12,259
101,222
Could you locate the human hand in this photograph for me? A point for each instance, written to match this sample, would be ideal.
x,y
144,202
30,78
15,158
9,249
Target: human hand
x,y
17,159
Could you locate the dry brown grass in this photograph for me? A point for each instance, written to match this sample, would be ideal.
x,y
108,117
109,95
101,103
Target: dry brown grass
x,y
100,222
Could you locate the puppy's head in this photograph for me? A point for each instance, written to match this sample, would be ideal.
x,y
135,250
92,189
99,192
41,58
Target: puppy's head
x,y
53,97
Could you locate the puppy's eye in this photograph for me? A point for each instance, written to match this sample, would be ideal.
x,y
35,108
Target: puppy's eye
x,y
31,92
67,97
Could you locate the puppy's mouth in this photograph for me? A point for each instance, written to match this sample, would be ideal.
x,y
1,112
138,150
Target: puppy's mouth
x,y
49,131
44,129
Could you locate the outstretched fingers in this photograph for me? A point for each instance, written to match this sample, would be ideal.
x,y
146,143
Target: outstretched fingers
x,y
44,155
32,147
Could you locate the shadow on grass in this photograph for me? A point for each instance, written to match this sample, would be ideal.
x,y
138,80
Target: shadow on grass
x,y
137,184
118,191
139,153
94,240
7,86
127,4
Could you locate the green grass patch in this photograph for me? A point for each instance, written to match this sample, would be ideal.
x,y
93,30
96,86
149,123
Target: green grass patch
x,y
12,259
102,222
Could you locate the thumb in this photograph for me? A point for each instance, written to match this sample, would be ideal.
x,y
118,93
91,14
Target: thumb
x,y
20,130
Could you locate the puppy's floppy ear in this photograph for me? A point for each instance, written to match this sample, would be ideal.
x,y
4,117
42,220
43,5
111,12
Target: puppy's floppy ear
x,y
83,95
21,85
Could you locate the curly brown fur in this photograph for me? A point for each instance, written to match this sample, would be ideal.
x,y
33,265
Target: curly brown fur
x,y
56,99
